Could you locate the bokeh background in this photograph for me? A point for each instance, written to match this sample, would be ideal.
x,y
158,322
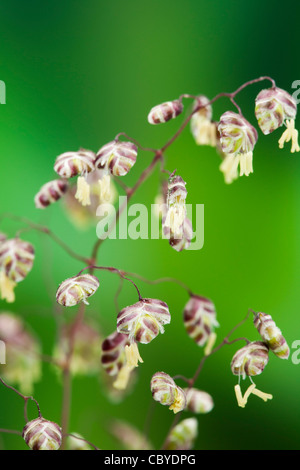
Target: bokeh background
x,y
77,73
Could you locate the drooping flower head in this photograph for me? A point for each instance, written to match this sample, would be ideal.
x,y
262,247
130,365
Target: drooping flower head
x,y
16,261
114,359
237,138
182,239
113,356
16,258
198,401
177,192
250,360
50,193
273,108
202,127
70,164
271,335
23,349
183,435
165,391
102,191
183,243
41,434
142,322
76,289
117,157
200,319
165,111
176,209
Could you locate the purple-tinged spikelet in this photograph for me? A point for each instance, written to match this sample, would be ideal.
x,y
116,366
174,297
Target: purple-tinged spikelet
x,y
206,109
41,434
272,107
183,435
71,164
143,320
184,242
177,192
250,360
199,319
165,391
237,135
198,401
173,221
203,129
50,193
16,258
163,388
165,111
117,157
271,335
113,356
76,289
237,139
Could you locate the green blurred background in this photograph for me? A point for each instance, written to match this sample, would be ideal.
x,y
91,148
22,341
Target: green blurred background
x,y
77,73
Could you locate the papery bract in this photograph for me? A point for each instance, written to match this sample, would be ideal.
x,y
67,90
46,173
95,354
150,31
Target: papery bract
x,y
117,157
16,258
165,111
70,164
272,107
199,319
50,193
198,401
237,139
271,335
41,434
113,355
76,289
143,320
183,435
203,129
165,391
250,360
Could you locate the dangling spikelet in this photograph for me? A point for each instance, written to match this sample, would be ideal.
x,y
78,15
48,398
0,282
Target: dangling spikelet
x,y
41,434
165,391
143,320
165,111
250,360
272,107
70,164
199,319
50,193
117,157
76,289
271,335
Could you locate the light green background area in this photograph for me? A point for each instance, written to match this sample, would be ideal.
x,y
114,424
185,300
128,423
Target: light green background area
x,y
77,73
